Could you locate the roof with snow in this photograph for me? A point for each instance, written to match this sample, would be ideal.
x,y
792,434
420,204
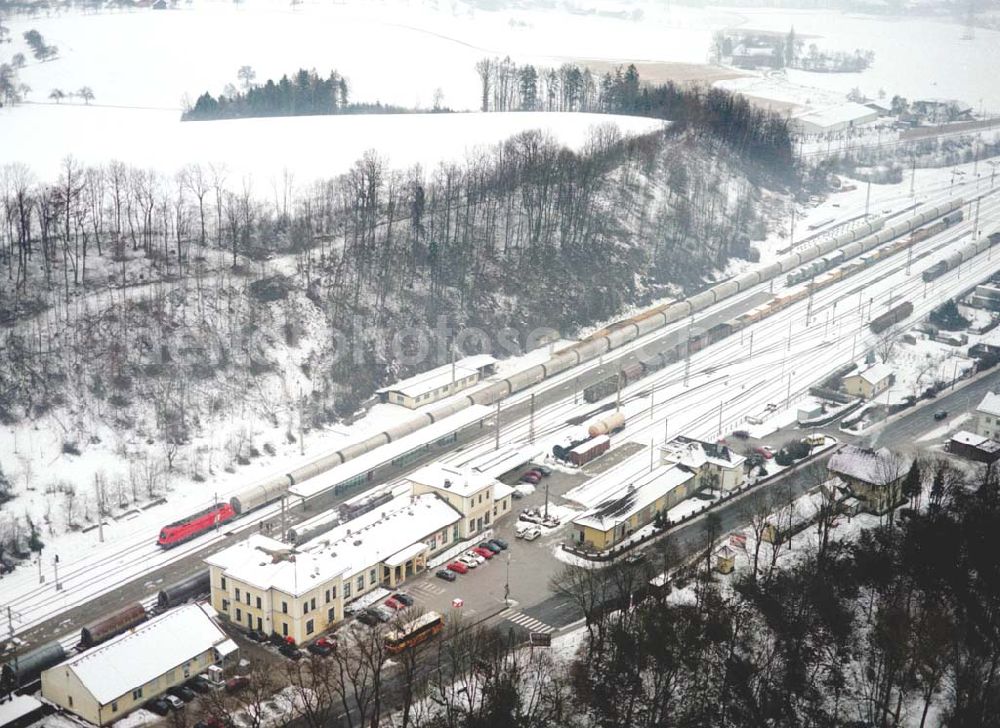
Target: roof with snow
x,y
142,654
633,497
380,455
971,439
873,374
844,113
875,467
990,404
463,481
695,453
442,376
501,490
352,547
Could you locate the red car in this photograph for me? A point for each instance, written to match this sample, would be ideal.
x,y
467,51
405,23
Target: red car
x,y
485,553
330,642
393,603
532,478
458,567
764,452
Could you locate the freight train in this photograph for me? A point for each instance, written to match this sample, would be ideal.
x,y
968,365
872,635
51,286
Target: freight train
x,y
865,237
890,317
958,257
24,670
827,262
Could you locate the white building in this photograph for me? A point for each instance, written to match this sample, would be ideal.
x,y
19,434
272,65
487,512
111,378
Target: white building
x,y
988,416
438,383
715,465
479,497
833,118
106,682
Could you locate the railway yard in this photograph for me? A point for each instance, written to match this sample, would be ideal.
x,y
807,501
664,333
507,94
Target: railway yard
x,y
701,367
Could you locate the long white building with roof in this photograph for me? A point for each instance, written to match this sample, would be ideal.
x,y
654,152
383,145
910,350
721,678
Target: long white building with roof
x,y
106,682
438,383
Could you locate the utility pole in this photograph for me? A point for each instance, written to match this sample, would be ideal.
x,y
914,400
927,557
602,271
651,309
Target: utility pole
x,y
788,394
55,566
720,418
496,445
651,453
791,234
41,577
302,402
687,353
913,177
868,197
283,518
618,388
789,347
652,397
975,225
531,420
750,355
100,509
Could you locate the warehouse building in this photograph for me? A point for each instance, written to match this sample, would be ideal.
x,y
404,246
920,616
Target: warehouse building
x,y
838,117
633,506
298,592
714,464
106,682
974,447
439,383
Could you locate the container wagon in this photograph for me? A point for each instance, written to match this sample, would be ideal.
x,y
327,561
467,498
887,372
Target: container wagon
x,y
890,317
25,669
113,625
184,591
601,389
353,510
587,451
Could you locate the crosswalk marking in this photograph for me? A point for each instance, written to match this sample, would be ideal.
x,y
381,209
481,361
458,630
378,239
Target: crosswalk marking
x,y
426,587
523,620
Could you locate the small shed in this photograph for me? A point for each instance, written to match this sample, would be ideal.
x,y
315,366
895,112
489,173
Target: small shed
x,y
725,560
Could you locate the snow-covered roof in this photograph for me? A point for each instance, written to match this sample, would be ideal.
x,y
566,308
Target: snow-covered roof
x,y
990,404
978,441
585,447
463,481
380,455
695,453
633,497
837,114
347,549
429,381
497,462
142,654
876,467
873,374
501,490
17,706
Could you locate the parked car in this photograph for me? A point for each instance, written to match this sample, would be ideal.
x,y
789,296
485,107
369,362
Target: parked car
x,y
291,652
529,516
940,414
550,521
458,567
741,434
393,604
159,706
403,598
325,641
532,533
445,574
366,617
517,495
532,478
544,470
764,452
200,684
184,693
174,702
499,542
319,650
484,552
382,614
471,561
536,471
490,546
237,683
636,557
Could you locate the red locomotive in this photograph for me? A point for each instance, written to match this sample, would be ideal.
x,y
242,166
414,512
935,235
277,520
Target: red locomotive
x,y
195,525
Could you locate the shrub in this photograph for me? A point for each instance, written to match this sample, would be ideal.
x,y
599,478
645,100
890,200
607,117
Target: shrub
x,y
70,448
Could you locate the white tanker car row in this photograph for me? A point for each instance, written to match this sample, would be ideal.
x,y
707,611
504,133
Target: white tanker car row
x,y
863,238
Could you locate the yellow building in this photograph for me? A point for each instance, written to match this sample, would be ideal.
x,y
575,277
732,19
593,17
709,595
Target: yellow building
x,y
870,383
631,507
106,682
715,465
478,497
299,592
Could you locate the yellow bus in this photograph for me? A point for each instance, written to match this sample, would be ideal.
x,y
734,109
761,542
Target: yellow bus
x,y
413,633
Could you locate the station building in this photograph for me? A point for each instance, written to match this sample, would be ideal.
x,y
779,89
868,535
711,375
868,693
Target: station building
x,y
436,384
479,497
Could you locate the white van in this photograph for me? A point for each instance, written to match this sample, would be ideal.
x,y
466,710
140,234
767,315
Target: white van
x,y
532,533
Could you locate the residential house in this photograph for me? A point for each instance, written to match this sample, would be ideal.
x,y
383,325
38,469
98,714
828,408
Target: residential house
x,y
714,464
988,416
869,383
873,476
